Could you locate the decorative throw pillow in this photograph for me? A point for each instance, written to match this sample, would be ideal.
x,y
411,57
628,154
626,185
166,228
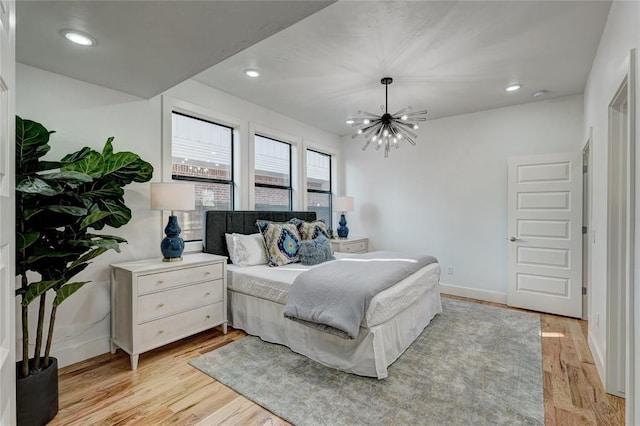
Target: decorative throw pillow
x,y
246,250
313,252
282,241
311,230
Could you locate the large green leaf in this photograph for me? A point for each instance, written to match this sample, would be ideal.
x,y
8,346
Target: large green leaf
x,y
52,254
92,164
76,156
111,237
91,254
32,140
70,210
107,190
105,243
119,213
69,176
35,185
37,289
92,218
67,290
25,240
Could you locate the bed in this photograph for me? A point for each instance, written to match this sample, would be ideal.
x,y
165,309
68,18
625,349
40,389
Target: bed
x,y
257,296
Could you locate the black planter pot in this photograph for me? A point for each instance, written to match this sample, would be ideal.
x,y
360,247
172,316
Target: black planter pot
x,y
37,395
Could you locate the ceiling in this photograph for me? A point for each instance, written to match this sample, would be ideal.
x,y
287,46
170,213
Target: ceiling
x,y
146,47
322,62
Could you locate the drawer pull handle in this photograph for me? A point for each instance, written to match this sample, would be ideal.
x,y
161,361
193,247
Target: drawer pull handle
x,y
207,294
161,305
160,281
161,331
207,273
208,316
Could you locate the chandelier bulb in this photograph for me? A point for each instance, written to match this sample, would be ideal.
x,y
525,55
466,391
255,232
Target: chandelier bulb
x,y
399,136
415,127
359,131
374,137
404,117
366,121
385,133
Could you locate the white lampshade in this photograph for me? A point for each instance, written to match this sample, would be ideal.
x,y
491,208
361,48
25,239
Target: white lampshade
x,y
343,204
173,196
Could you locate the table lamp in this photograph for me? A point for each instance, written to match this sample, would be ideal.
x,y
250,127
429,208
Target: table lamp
x,y
172,196
342,205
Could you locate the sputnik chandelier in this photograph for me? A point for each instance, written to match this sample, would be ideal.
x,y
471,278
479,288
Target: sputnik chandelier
x,y
387,129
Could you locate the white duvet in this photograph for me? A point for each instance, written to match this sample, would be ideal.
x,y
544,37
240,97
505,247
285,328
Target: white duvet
x,y
273,283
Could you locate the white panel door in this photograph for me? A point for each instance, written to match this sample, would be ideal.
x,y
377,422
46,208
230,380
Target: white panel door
x,y
7,218
545,233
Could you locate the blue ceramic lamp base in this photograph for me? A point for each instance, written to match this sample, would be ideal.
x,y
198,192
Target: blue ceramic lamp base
x,y
172,245
343,229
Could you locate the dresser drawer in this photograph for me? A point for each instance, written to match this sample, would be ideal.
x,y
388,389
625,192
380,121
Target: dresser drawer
x,y
162,331
354,247
161,304
163,280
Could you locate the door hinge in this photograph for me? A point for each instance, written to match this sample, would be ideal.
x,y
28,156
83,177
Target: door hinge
x,y
584,291
584,229
585,169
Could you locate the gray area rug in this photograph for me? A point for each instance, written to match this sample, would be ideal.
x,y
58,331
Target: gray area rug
x,y
473,365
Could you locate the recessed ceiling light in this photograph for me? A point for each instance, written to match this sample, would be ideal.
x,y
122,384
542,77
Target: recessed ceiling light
x,y
252,73
540,93
513,87
78,38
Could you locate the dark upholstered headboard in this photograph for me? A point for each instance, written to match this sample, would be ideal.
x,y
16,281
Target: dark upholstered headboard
x,y
220,222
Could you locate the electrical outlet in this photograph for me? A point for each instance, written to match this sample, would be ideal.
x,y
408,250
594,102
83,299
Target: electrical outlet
x,y
450,269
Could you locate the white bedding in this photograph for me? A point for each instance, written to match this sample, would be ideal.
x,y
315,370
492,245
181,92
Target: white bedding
x,y
396,317
273,283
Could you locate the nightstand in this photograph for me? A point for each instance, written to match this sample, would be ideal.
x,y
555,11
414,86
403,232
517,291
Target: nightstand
x,y
350,245
154,303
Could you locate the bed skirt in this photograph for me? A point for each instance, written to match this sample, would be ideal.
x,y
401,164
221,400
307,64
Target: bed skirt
x,y
369,354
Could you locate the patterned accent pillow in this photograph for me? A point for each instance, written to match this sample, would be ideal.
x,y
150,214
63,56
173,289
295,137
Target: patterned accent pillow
x,y
315,251
282,241
246,250
311,230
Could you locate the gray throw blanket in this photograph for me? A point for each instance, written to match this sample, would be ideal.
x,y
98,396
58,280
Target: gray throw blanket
x,y
334,297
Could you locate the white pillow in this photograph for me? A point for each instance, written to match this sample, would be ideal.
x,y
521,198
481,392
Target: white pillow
x,y
246,250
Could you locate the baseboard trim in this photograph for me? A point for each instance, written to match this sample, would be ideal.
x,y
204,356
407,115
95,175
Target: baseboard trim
x,y
473,293
598,359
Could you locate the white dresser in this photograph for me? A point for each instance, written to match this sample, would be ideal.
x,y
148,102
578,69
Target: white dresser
x,y
351,245
154,302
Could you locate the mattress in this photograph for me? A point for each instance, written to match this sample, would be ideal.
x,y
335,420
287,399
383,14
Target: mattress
x,y
273,284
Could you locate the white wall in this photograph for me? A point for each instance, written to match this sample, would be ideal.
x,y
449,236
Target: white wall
x,y
447,196
621,34
86,115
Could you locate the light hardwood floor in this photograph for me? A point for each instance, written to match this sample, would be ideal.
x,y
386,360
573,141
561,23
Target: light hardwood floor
x,y
166,390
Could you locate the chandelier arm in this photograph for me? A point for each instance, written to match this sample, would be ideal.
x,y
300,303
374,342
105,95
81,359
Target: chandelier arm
x,y
370,125
407,131
370,115
401,111
371,131
412,114
367,143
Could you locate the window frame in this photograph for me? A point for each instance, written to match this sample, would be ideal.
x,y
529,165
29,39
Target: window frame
x,y
321,191
272,186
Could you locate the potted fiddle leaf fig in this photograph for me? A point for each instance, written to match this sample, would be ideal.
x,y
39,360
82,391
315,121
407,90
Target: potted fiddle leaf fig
x,y
59,206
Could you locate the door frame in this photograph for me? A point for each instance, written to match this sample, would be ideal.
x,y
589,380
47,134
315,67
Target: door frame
x,y
587,212
616,295
7,212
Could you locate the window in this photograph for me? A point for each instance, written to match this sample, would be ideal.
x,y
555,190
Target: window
x,y
319,194
202,152
272,174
